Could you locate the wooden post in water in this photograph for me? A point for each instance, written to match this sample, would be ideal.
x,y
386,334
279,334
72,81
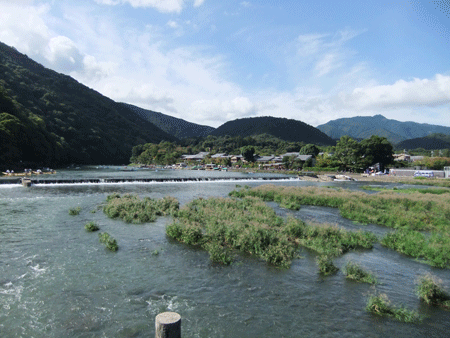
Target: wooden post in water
x,y
168,325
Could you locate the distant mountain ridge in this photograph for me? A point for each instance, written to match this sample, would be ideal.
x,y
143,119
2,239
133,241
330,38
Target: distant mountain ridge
x,y
362,127
73,123
172,125
430,142
282,128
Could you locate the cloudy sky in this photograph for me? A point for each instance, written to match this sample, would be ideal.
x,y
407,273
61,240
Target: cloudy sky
x,y
211,61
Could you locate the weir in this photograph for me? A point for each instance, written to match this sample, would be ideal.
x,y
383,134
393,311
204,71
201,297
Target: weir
x,y
142,180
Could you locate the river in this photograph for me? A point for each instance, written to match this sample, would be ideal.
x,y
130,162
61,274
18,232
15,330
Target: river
x,y
57,280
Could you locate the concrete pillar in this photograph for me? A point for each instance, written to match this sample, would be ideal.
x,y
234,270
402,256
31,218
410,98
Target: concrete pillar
x,y
168,325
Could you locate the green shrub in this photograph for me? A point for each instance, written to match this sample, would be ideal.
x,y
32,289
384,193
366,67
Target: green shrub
x,y
91,227
132,209
430,291
74,211
109,241
381,306
326,266
355,272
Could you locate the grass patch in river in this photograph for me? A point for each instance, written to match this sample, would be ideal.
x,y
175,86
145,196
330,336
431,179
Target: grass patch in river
x,y
430,291
357,273
225,226
132,209
91,226
410,213
433,250
434,191
326,266
380,305
74,211
110,242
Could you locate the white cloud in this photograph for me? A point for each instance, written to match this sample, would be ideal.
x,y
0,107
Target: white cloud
x,y
218,112
198,3
172,24
417,92
165,6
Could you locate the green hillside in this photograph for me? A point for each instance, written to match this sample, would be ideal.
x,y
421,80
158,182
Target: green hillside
x,y
52,119
430,142
282,128
362,127
172,125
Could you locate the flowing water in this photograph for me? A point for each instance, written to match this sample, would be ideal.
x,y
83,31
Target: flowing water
x,y
57,280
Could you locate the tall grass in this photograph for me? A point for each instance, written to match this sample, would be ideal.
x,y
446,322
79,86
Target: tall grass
x,y
430,291
357,273
433,250
381,306
132,209
326,266
409,213
74,211
91,226
223,226
109,241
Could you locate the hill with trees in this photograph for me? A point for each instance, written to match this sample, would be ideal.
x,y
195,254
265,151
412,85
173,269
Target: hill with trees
x,y
430,142
363,127
51,119
172,125
282,128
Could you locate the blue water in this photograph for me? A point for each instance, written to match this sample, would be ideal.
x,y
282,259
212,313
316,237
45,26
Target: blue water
x,y
57,280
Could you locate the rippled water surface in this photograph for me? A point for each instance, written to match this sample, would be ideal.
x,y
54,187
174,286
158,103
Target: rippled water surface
x,y
57,280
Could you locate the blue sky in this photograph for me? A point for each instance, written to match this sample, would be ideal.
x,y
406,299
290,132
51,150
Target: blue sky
x,y
210,61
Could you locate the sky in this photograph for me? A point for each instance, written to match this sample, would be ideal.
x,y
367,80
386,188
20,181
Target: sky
x,y
212,61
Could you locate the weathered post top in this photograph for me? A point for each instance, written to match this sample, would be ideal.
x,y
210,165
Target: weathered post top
x,y
168,325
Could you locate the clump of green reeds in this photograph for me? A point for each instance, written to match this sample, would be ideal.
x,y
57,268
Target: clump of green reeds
x,y
132,209
381,306
74,211
248,225
430,291
420,209
433,250
91,226
328,240
109,241
326,266
357,273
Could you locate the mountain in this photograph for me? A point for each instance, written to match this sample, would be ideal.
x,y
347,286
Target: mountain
x,y
172,125
50,118
430,142
361,127
282,128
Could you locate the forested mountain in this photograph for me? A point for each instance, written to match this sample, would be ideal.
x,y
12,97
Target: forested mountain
x,y
282,128
430,142
50,118
172,125
362,127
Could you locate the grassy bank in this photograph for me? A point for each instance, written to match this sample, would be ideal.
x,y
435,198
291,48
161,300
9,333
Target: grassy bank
x,y
408,213
225,226
355,272
434,191
431,292
132,209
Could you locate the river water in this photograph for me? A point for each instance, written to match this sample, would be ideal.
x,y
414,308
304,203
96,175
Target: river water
x,y
57,280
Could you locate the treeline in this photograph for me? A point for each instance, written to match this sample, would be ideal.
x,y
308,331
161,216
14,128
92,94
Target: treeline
x,y
348,154
170,152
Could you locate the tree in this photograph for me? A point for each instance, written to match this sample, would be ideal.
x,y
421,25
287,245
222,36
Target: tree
x,y
376,149
348,153
248,152
309,149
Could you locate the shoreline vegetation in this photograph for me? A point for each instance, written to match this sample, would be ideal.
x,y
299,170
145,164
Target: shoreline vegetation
x,y
421,221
